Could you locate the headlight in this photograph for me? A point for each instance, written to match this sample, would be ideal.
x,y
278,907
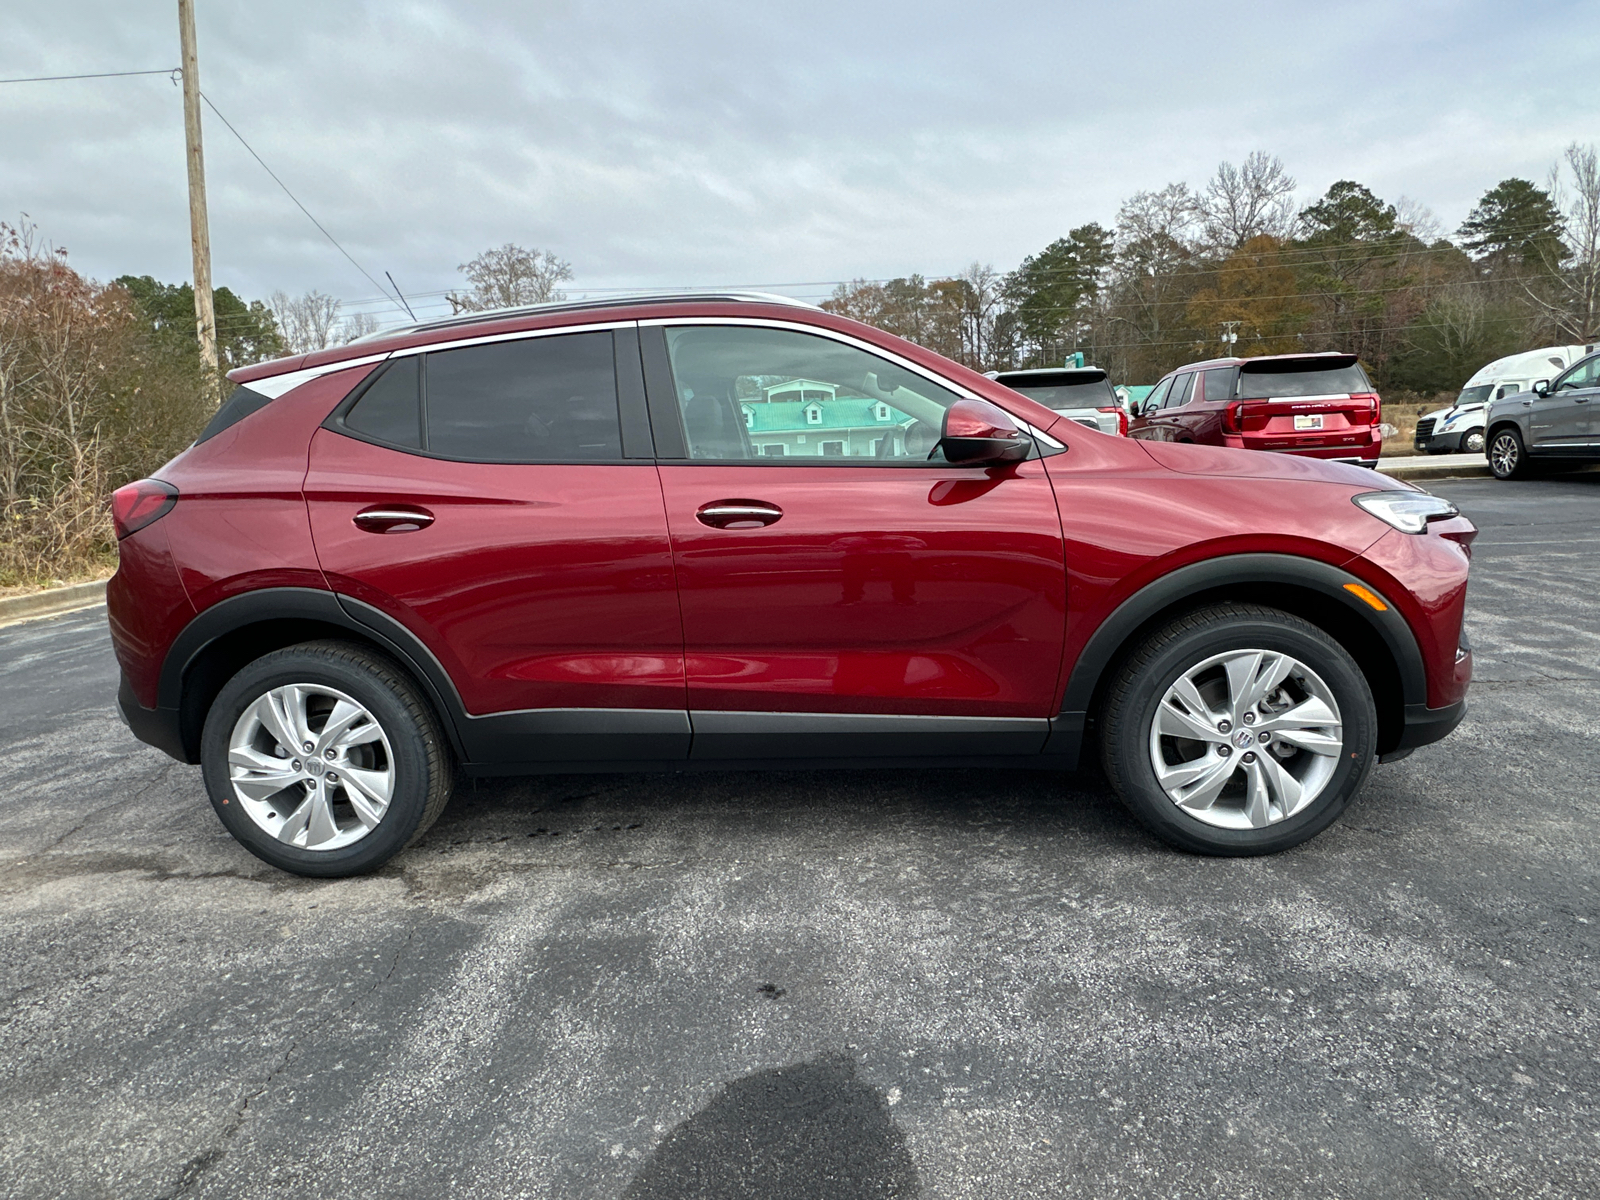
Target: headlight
x,y
1408,512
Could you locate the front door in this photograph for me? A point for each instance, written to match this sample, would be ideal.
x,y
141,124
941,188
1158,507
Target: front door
x,y
843,594
482,496
1562,421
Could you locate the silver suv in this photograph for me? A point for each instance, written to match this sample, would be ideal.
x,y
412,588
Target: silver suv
x,y
1551,423
1081,394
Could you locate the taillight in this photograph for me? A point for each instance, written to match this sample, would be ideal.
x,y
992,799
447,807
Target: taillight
x,y
138,504
1122,417
1374,405
1230,419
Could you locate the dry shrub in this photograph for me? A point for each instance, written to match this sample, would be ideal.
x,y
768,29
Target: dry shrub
x,y
89,400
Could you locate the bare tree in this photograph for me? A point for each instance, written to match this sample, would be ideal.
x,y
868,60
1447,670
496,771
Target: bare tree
x,y
309,322
89,399
1574,283
1417,219
511,276
1243,202
357,325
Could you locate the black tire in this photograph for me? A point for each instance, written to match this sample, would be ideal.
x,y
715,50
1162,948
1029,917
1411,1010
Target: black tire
x,y
1472,443
419,756
1508,457
1130,708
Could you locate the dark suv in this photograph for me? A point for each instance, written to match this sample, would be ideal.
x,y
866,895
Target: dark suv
x,y
1314,405
1551,424
713,532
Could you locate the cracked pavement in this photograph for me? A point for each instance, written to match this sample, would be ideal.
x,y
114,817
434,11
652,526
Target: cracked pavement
x,y
875,984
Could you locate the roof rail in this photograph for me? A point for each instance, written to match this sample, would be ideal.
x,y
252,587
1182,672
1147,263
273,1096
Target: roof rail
x,y
557,306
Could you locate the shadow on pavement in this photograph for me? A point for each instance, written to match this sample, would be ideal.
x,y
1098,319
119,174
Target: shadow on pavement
x,y
794,1133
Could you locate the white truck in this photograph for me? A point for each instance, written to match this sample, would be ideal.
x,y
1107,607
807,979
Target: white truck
x,y
1459,428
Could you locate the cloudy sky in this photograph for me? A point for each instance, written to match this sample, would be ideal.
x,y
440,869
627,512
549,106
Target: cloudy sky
x,y
784,145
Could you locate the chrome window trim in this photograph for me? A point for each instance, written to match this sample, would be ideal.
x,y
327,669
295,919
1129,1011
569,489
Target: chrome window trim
x,y
855,343
274,386
516,335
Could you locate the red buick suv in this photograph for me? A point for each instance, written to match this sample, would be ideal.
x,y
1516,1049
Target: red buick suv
x,y
703,532
1317,405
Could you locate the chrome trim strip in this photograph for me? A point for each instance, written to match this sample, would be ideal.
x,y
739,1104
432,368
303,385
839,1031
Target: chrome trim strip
x,y
857,343
817,331
723,721
516,335
274,386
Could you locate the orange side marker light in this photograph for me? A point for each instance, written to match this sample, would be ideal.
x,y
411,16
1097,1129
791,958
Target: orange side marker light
x,y
1367,594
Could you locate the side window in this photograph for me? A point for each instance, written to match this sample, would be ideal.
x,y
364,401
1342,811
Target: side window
x,y
1508,389
747,393
1179,395
537,400
1219,384
1158,397
1581,376
390,410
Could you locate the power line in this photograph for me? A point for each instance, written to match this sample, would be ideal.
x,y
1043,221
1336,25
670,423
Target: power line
x,y
292,196
172,71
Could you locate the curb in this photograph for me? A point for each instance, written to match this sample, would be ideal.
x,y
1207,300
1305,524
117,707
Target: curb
x,y
1443,471
52,602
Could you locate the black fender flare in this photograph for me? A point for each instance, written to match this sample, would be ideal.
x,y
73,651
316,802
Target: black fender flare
x,y
1229,572
292,604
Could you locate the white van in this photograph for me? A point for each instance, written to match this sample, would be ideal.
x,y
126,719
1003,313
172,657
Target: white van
x,y
1459,428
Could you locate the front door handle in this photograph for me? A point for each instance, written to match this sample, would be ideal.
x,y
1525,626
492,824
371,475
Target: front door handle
x,y
393,518
738,514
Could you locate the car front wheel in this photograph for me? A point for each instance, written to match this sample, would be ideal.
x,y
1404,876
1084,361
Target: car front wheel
x,y
323,760
1507,457
1238,730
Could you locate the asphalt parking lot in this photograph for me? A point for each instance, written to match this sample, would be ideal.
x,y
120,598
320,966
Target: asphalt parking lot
x,y
896,984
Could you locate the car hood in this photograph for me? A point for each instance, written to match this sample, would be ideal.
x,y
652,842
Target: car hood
x,y
1189,459
1437,414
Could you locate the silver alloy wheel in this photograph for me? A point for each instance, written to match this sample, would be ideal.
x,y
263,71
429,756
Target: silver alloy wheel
x,y
1473,442
1503,456
1246,739
311,766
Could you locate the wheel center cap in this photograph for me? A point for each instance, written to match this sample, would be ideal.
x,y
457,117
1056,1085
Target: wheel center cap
x,y
1244,739
315,766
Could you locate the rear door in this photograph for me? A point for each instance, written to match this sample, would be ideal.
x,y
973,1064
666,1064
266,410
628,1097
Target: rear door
x,y
1202,420
843,594
497,501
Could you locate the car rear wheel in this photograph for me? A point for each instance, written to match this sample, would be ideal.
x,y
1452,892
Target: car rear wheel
x,y
323,760
1238,730
1507,457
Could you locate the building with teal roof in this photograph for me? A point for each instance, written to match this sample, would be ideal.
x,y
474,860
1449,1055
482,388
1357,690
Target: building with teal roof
x,y
808,418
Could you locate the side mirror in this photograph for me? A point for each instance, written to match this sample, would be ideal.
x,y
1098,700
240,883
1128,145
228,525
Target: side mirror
x,y
977,433
1542,388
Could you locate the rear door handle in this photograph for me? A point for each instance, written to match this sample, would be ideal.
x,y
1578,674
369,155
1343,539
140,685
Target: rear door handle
x,y
738,514
393,518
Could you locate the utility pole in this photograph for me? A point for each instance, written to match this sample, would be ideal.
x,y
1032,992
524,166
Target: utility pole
x,y
205,317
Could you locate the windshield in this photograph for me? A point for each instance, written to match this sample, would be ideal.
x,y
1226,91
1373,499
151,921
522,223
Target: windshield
x,y
1062,397
1474,395
1337,381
